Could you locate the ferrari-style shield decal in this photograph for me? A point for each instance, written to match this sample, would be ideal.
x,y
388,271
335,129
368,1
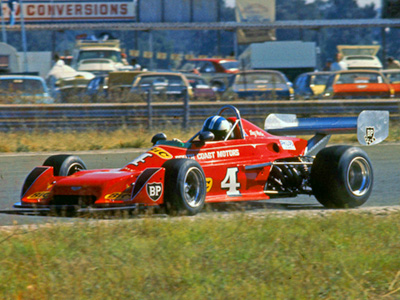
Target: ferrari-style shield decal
x,y
369,135
154,190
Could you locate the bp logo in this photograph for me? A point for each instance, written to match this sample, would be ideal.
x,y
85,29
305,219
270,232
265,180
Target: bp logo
x,y
369,135
154,190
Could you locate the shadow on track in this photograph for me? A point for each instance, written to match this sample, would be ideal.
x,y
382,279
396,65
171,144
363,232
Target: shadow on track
x,y
158,212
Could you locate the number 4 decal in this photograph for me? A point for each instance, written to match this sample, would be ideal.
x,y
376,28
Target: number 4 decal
x,y
231,183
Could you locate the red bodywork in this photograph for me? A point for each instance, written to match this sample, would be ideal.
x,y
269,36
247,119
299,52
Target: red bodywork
x,y
378,90
235,170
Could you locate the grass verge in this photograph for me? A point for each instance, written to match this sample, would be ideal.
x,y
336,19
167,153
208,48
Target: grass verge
x,y
343,256
119,139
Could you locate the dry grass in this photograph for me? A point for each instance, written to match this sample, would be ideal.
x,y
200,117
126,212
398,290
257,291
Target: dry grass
x,y
78,141
118,139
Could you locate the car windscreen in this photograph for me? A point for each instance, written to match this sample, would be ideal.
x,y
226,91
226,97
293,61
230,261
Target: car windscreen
x,y
359,57
115,56
157,80
393,77
189,66
94,61
195,81
359,78
230,65
319,79
24,86
259,79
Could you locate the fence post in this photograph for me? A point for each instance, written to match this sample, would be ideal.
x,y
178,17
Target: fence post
x,y
186,113
149,110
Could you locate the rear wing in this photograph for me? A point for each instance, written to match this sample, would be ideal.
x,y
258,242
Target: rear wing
x,y
371,126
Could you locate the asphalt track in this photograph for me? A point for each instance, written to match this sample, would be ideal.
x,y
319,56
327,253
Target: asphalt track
x,y
15,167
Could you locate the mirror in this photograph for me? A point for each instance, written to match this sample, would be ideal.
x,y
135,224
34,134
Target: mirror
x,y
206,136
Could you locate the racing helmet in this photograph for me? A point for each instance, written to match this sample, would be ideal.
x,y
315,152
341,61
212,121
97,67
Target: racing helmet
x,y
218,125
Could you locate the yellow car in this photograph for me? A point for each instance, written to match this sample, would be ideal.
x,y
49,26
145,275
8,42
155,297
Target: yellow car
x,y
311,84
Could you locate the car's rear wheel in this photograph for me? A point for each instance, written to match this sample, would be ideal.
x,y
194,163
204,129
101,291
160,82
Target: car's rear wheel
x,y
65,165
342,177
185,186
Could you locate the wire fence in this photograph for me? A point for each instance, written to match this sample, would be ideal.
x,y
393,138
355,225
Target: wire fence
x,y
110,116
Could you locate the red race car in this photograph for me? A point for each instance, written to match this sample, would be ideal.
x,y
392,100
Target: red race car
x,y
229,159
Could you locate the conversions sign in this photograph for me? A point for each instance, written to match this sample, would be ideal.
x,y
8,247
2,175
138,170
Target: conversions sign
x,y
61,11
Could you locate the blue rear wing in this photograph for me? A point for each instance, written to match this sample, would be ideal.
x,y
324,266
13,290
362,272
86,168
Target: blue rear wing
x,y
371,126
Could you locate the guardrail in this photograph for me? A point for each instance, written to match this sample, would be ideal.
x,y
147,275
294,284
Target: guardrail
x,y
112,116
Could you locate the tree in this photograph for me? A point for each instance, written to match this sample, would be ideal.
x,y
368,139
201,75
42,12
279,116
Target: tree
x,y
323,10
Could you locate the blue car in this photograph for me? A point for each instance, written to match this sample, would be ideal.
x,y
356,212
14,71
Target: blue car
x,y
24,89
311,85
260,84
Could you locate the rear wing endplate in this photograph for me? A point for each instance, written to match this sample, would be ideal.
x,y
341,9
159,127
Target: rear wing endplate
x,y
371,126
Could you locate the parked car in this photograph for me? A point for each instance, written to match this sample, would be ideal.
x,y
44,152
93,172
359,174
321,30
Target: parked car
x,y
368,62
360,56
216,70
24,89
201,89
311,84
120,84
164,84
353,84
262,84
211,65
73,89
393,75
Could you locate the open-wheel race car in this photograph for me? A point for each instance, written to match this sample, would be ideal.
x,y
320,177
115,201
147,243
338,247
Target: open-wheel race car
x,y
229,159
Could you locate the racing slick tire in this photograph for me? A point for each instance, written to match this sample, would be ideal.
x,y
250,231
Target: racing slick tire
x,y
341,177
65,165
185,186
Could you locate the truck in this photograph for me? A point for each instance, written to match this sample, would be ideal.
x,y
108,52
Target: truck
x,y
98,56
289,57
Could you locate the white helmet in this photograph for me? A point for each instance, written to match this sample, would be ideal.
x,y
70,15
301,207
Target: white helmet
x,y
218,125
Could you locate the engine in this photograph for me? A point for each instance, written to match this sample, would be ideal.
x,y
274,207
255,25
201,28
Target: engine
x,y
289,177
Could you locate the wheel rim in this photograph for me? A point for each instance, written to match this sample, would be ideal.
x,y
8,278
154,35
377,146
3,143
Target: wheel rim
x,y
193,187
359,176
73,168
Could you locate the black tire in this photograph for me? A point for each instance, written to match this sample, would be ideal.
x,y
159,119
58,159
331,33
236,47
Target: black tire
x,y
342,177
65,165
185,186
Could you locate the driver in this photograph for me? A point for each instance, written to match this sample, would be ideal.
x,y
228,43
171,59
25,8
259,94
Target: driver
x,y
218,125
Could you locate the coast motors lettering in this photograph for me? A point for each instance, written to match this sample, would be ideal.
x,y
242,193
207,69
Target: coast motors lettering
x,y
74,11
212,154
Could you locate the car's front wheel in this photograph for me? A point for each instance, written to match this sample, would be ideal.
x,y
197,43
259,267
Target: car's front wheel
x,y
185,186
341,177
65,165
